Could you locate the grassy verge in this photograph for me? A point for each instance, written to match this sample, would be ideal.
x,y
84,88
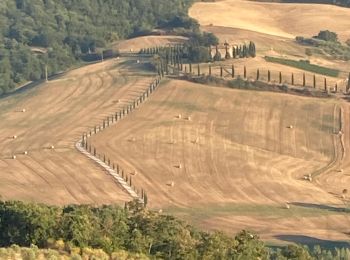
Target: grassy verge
x,y
304,65
205,212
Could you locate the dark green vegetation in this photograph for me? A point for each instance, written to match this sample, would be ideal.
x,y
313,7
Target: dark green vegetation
x,y
326,43
65,30
136,230
304,65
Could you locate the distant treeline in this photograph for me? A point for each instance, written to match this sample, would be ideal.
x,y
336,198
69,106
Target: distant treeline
x,y
65,31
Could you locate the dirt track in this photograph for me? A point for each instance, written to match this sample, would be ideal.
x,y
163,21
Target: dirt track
x,y
57,113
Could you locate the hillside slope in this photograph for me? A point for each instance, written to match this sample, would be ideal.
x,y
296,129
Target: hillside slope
x,y
57,113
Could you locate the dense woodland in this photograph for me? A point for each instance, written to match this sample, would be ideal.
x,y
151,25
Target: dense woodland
x,y
64,30
136,230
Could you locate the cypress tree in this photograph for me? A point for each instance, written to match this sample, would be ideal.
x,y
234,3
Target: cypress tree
x,y
348,86
233,71
245,72
268,76
304,80
325,84
227,54
292,78
217,56
314,81
234,52
252,49
221,71
257,74
199,70
280,77
209,69
145,199
190,68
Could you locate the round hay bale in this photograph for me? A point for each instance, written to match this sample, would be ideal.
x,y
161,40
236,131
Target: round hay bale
x,y
340,170
188,118
287,206
23,110
14,137
134,173
14,157
25,153
170,184
138,61
291,127
160,211
52,147
340,133
179,116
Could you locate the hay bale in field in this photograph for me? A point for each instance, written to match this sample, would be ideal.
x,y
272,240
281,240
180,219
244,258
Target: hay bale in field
x,y
23,110
290,126
340,170
179,116
134,173
25,153
52,147
340,133
179,166
14,137
170,184
160,211
196,141
287,206
133,139
14,157
188,118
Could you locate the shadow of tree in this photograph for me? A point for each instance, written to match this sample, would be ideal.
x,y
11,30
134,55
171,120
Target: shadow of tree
x,y
320,206
312,241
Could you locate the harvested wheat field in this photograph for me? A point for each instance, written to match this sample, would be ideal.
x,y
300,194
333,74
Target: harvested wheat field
x,y
39,128
278,19
274,26
233,159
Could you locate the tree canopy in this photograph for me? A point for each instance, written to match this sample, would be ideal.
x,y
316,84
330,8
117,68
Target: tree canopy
x,y
66,29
